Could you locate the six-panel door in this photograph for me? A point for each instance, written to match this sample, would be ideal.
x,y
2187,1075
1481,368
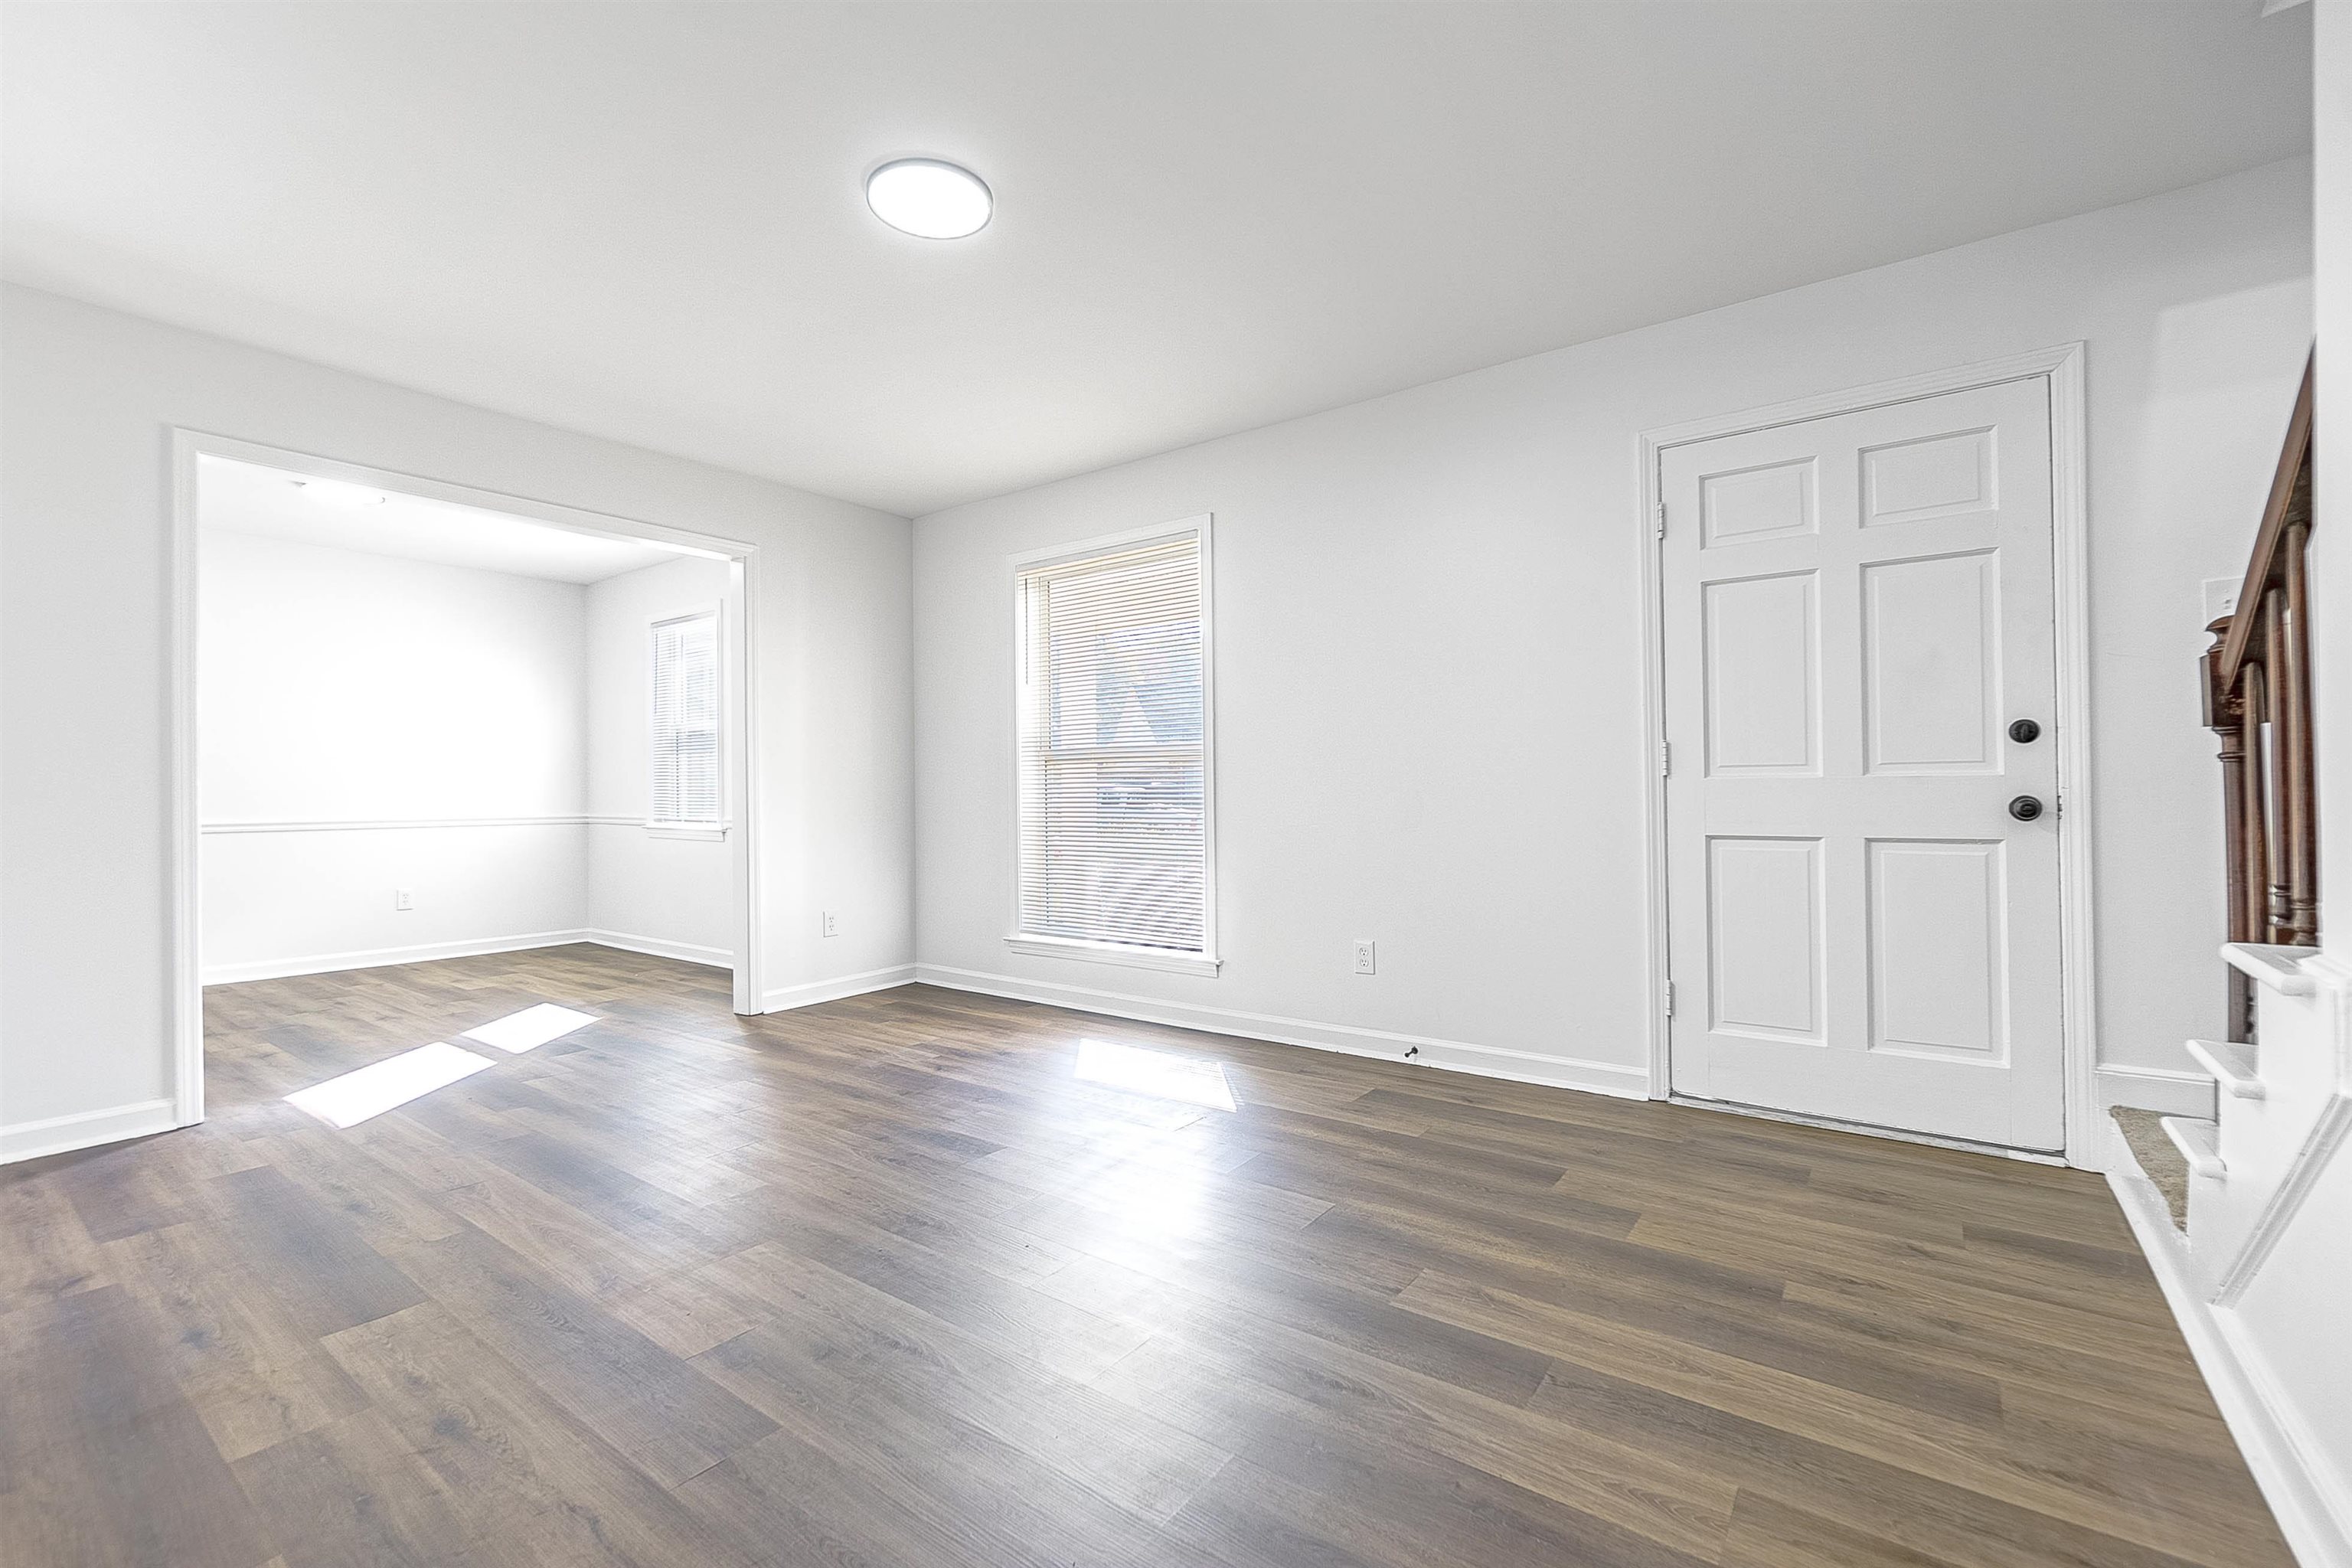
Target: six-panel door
x,y
1856,609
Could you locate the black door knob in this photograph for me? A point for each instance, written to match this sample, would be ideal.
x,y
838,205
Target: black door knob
x,y
2025,808
2025,731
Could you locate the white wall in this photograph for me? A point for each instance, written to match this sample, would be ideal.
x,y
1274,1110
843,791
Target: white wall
x,y
1429,640
88,399
2294,1325
672,895
337,687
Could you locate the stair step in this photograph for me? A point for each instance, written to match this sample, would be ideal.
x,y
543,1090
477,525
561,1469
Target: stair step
x,y
2199,1143
2233,1065
2274,965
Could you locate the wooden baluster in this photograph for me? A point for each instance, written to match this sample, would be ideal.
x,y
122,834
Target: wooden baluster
x,y
2274,763
2225,716
2299,877
2253,818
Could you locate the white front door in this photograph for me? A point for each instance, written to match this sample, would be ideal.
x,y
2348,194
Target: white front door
x,y
1858,608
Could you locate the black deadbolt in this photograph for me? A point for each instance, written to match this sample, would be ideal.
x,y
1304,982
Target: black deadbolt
x,y
2025,731
2025,808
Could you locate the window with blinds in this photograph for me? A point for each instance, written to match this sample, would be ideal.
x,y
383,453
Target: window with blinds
x,y
685,720
1114,749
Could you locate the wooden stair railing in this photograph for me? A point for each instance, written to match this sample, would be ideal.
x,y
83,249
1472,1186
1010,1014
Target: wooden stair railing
x,y
2257,687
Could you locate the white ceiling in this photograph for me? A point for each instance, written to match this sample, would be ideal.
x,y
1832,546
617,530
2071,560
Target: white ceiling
x,y
644,220
245,498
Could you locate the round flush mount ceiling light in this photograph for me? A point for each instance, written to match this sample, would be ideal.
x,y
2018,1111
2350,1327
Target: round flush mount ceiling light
x,y
929,199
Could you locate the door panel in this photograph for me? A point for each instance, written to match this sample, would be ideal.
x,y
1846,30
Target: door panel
x,y
1937,948
1770,502
1931,663
1856,607
1762,680
1764,897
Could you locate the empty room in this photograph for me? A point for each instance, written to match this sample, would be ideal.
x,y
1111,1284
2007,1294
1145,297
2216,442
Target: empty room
x,y
1037,783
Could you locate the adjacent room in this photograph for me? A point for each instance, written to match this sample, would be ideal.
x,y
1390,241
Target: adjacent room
x,y
1427,784
432,731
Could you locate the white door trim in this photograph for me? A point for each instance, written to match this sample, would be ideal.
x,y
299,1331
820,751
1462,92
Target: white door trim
x,y
185,828
2070,546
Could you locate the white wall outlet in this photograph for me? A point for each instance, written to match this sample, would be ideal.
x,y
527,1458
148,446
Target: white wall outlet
x,y
832,923
2221,596
402,898
1364,956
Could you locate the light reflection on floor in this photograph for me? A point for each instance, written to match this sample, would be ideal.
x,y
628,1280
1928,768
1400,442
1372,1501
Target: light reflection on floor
x,y
519,1032
355,1096
379,1086
1163,1074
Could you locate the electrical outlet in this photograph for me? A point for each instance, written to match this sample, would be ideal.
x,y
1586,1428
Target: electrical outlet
x,y
832,923
402,898
1364,958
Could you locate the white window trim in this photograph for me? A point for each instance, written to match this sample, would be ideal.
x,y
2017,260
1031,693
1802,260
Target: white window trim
x,y
712,835
687,828
1206,962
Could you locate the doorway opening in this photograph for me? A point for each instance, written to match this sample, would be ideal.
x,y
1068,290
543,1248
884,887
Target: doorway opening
x,y
414,721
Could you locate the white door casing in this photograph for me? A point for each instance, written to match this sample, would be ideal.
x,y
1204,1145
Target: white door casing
x,y
1855,609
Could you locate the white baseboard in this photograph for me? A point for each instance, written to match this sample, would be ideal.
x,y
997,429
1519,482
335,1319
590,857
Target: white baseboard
x,y
788,998
2315,1520
1453,1056
383,957
60,1134
661,947
2174,1092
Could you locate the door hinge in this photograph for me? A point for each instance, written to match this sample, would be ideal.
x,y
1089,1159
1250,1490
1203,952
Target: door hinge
x,y
1670,998
1665,758
1661,519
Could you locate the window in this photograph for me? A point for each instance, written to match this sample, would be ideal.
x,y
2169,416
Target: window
x,y
1114,824
686,721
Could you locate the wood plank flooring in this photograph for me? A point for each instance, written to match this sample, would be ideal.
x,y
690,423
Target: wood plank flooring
x,y
885,1282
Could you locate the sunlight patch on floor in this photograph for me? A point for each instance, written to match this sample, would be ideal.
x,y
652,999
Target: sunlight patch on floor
x,y
534,1026
1163,1074
379,1086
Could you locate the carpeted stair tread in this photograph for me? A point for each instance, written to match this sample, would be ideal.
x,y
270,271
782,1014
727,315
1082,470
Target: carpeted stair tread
x,y
2159,1162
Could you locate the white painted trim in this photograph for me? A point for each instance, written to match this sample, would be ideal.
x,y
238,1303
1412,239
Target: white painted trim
x,y
1114,953
2280,968
1456,1056
2331,1130
2311,1506
2062,364
2168,1091
1868,1130
62,1134
386,824
184,826
681,830
386,957
2234,1066
816,991
661,947
2199,1143
1201,527
746,878
186,938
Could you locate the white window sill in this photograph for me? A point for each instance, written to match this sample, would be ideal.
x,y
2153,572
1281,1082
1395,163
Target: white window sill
x,y
710,834
1114,952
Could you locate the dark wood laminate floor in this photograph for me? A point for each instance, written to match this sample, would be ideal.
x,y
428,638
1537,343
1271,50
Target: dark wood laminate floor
x,y
883,1282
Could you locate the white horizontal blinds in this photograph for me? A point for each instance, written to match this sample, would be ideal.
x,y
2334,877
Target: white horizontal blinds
x,y
685,720
1114,784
